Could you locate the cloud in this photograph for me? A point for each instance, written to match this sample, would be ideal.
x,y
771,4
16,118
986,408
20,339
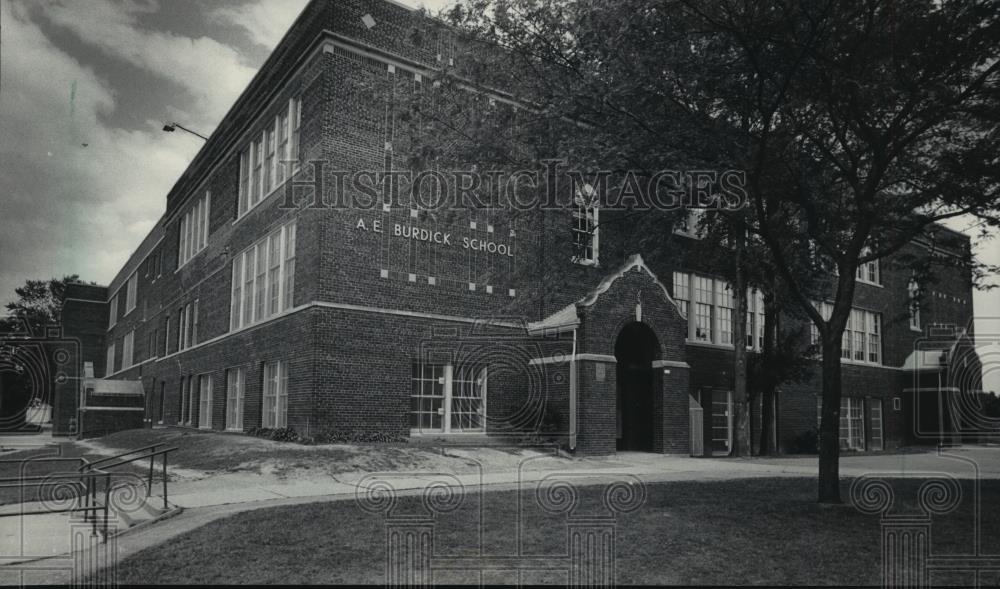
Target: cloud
x,y
265,21
211,73
68,208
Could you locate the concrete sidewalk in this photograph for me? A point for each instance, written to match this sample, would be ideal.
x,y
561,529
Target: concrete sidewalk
x,y
226,494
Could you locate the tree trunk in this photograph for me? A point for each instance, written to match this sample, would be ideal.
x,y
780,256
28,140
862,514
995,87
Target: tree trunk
x,y
768,388
829,430
741,445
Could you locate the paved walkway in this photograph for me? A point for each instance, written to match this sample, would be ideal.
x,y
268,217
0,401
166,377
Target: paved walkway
x,y
216,497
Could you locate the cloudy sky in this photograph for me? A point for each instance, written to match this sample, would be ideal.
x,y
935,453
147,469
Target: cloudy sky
x,y
85,88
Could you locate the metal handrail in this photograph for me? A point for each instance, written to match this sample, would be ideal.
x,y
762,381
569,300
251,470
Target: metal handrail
x,y
152,463
88,473
136,451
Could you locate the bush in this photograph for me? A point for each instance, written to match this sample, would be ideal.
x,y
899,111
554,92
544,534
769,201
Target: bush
x,y
805,443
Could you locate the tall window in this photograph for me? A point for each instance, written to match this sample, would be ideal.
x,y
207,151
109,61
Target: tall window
x,y
724,304
703,299
755,319
128,349
585,228
130,292
194,230
862,338
682,287
205,401
852,422
235,382
109,367
275,411
262,163
263,278
913,289
113,311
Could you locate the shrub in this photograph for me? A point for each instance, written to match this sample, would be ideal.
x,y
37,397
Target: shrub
x,y
325,437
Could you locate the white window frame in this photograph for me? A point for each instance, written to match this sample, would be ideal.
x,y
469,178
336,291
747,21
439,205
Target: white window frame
x,y
235,398
253,263
113,311
869,272
205,401
586,213
448,380
131,292
264,159
109,367
864,328
194,230
274,412
128,350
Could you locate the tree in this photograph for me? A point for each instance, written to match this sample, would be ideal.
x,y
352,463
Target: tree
x,y
39,302
859,125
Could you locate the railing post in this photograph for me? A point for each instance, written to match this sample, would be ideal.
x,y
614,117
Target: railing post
x,y
107,503
149,483
165,481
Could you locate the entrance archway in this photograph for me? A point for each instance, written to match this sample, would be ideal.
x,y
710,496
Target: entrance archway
x,y
635,350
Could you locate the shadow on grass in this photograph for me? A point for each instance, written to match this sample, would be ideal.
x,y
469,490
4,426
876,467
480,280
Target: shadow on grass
x,y
737,532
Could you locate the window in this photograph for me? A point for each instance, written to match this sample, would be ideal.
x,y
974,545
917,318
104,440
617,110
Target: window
x,y
194,230
113,311
205,401
151,339
190,401
852,422
724,306
275,413
875,410
869,271
682,288
263,278
585,227
183,399
130,292
914,297
862,335
703,296
755,319
235,383
874,338
109,367
187,333
262,163
447,399
128,348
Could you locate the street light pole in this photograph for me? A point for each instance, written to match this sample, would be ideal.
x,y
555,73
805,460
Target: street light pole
x,y
171,127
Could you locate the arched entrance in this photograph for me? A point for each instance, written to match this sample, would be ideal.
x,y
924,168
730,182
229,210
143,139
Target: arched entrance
x,y
635,350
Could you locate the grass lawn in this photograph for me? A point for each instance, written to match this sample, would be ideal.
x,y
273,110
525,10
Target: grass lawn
x,y
753,531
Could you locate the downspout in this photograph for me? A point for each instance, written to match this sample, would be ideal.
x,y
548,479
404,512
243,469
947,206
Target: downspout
x,y
572,395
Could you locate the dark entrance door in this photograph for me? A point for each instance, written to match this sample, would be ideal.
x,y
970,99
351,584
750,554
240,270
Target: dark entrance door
x,y
637,383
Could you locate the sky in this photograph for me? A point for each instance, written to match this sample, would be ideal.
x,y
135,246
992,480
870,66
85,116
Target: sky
x,y
85,89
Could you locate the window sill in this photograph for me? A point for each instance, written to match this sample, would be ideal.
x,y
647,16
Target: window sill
x,y
193,256
589,263
876,284
714,345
